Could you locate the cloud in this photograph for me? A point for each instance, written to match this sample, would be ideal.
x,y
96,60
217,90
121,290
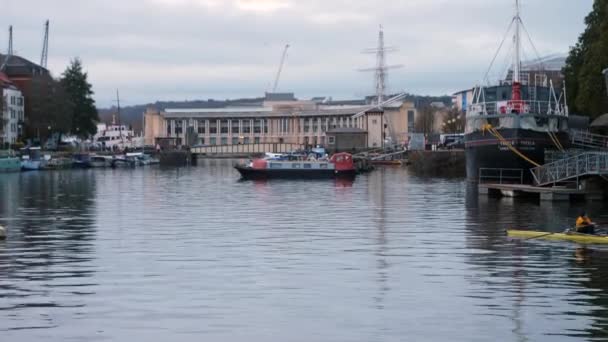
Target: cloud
x,y
173,49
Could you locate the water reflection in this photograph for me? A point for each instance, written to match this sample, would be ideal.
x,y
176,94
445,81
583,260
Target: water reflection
x,y
45,261
193,253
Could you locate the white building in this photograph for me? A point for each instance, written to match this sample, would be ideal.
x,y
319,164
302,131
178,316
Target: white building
x,y
11,111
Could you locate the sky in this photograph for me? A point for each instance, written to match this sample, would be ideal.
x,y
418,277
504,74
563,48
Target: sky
x,y
200,49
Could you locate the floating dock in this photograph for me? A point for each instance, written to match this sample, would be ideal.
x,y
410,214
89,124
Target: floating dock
x,y
557,193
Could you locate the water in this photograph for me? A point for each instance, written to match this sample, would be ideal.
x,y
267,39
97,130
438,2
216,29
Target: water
x,y
196,255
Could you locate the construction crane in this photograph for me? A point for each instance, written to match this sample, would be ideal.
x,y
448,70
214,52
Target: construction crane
x,y
45,46
9,53
276,79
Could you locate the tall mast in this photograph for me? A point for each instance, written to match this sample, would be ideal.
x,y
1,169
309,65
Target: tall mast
x,y
119,123
517,42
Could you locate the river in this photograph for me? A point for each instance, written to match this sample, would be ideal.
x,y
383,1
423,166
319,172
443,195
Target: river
x,y
194,254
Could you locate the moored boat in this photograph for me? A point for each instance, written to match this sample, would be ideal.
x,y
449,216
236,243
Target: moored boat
x,y
339,165
564,236
31,159
512,124
81,161
101,161
9,163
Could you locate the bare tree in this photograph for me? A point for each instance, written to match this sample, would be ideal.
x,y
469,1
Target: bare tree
x,y
425,121
453,122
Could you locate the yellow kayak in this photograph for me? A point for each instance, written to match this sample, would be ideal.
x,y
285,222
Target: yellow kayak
x,y
567,236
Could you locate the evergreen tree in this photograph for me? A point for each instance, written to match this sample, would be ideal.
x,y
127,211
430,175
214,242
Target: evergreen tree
x,y
80,93
583,71
48,106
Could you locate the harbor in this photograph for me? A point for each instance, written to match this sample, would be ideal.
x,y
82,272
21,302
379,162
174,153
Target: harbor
x,y
273,170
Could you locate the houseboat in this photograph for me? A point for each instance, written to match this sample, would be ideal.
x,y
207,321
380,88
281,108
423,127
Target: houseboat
x,y
339,165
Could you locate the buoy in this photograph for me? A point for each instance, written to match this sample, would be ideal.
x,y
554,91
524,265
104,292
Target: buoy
x,y
2,233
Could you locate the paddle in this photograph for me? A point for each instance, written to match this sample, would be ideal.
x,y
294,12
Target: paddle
x,y
539,236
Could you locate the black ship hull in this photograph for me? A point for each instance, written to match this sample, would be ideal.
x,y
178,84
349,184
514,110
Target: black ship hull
x,y
251,173
484,151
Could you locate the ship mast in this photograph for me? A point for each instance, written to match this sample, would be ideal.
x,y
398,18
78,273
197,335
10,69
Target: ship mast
x,y
517,42
516,105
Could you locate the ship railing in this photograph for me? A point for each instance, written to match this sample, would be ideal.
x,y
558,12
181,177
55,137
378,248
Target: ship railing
x,y
582,165
501,176
518,107
587,139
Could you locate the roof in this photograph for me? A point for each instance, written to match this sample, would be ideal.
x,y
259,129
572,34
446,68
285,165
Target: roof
x,y
346,130
261,112
18,65
280,97
4,79
601,121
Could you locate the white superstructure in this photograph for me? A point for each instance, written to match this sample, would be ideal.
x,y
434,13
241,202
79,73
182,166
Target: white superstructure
x,y
116,136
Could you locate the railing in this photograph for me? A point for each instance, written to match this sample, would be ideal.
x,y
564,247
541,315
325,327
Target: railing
x,y
242,149
588,140
524,106
503,176
585,164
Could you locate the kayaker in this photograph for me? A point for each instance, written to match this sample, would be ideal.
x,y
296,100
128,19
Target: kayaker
x,y
584,224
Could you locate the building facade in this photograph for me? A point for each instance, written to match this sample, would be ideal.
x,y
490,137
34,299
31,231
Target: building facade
x,y
295,122
11,112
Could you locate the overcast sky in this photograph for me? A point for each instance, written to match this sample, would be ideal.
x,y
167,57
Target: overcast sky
x,y
198,49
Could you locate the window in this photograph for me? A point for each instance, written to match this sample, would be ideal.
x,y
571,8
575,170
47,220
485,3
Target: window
x,y
307,166
178,127
331,140
201,126
169,128
12,113
257,126
256,140
201,141
374,122
323,166
224,127
234,127
213,127
275,165
315,125
307,125
235,140
13,127
224,140
265,126
246,140
295,165
246,126
212,141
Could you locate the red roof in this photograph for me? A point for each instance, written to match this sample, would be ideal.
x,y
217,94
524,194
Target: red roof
x,y
4,78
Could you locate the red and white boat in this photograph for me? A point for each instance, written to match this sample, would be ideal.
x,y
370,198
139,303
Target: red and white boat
x,y
339,165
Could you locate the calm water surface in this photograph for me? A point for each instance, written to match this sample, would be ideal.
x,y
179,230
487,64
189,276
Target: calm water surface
x,y
196,255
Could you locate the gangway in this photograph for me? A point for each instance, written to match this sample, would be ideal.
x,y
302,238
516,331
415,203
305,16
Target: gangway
x,y
588,140
582,165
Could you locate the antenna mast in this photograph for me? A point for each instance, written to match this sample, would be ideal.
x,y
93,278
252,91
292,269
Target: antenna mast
x,y
381,69
276,79
45,46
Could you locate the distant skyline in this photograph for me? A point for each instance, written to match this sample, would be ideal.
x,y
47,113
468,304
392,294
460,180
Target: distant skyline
x,y
199,49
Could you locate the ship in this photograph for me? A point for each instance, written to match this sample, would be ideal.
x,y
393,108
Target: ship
x,y
339,165
510,126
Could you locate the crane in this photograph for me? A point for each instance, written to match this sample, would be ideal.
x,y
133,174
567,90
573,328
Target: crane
x,y
45,46
276,80
10,48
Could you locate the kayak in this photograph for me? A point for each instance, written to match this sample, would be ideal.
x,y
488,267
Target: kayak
x,y
566,236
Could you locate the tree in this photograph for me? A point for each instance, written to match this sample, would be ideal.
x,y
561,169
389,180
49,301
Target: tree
x,y
587,59
80,93
49,108
425,121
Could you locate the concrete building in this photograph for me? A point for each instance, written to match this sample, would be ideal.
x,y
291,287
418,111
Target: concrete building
x,y
278,120
11,111
346,140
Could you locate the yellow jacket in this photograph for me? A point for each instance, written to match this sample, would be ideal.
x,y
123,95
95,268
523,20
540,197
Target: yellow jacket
x,y
583,221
